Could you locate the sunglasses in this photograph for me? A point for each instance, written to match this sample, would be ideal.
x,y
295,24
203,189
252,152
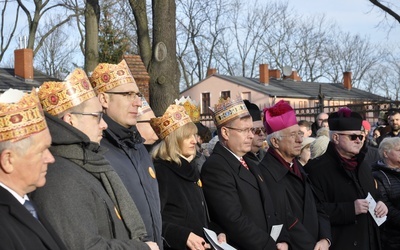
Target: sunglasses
x,y
354,137
257,131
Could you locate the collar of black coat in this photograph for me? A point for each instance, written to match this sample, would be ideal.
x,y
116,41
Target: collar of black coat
x,y
128,136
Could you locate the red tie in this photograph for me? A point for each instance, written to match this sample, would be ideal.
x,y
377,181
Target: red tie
x,y
243,163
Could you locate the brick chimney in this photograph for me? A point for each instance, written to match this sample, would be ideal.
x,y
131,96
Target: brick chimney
x,y
23,65
264,74
275,73
295,76
211,71
347,80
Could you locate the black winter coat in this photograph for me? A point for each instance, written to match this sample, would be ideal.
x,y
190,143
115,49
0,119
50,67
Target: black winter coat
x,y
389,186
239,201
294,200
338,188
183,207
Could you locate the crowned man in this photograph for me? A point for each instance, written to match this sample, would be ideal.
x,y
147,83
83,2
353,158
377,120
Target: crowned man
x,y
24,156
85,199
235,191
120,98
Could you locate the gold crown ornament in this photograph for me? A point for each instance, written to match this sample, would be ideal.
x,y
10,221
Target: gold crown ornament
x,y
20,117
227,110
191,107
108,76
174,117
56,97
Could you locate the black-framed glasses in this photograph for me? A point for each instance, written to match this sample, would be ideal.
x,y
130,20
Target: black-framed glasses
x,y
293,135
257,131
98,115
131,95
243,130
353,137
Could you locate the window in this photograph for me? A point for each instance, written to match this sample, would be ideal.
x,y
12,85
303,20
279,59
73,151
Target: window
x,y
205,103
225,94
246,96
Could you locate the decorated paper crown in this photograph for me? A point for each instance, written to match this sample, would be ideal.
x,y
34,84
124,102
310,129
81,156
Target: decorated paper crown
x,y
20,119
56,97
279,116
191,107
345,119
108,76
227,110
174,117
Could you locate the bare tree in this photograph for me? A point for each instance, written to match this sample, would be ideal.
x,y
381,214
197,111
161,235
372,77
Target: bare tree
x,y
5,39
41,8
159,56
55,57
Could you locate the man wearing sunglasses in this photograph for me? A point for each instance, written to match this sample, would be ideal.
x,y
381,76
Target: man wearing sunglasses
x,y
257,151
85,200
343,180
120,97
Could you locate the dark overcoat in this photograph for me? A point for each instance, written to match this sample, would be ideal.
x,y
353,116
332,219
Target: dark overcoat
x,y
388,180
132,162
239,202
294,201
338,188
19,230
183,206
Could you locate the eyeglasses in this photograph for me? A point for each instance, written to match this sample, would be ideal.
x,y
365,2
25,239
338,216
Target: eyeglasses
x,y
131,95
243,130
354,137
98,115
293,135
257,131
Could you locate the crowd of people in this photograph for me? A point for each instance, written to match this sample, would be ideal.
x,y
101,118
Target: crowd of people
x,y
85,164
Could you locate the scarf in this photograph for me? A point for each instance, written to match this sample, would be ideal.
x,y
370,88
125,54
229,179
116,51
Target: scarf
x,y
348,164
128,136
90,157
292,167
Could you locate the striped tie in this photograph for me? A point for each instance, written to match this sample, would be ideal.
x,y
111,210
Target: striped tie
x,y
244,163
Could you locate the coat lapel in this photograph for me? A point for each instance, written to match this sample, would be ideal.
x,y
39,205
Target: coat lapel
x,y
18,211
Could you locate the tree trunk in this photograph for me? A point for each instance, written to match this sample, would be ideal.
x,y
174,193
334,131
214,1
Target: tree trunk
x,y
163,68
92,17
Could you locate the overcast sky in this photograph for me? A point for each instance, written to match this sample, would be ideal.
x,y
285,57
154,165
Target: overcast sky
x,y
356,16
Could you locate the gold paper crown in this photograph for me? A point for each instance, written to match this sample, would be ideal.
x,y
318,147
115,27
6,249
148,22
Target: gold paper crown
x,y
108,76
144,108
22,119
174,117
191,107
227,110
56,97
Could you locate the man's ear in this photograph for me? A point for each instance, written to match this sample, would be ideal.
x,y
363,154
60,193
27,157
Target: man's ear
x,y
274,142
7,158
104,100
225,133
68,119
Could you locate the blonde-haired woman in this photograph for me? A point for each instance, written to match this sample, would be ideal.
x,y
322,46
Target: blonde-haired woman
x,y
183,207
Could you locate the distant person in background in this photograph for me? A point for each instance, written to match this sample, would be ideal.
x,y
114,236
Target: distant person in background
x,y
324,124
305,152
257,151
323,131
317,124
145,113
394,123
24,146
305,126
387,174
370,151
318,146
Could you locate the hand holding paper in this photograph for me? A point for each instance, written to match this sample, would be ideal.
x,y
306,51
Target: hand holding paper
x,y
371,209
